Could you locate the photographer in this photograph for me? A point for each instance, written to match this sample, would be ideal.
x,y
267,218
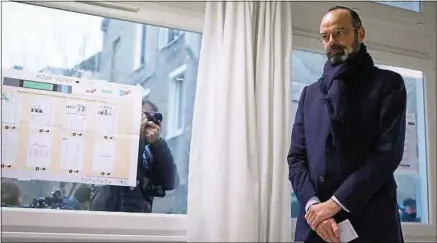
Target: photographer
x,y
79,200
156,174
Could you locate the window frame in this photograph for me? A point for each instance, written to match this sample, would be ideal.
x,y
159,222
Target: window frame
x,y
23,225
59,225
410,31
42,225
179,15
373,11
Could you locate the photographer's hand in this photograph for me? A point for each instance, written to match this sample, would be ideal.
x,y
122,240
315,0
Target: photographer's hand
x,y
152,132
143,130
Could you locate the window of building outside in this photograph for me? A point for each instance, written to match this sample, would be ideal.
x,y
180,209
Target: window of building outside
x,y
175,120
167,36
143,44
407,5
411,175
44,40
173,34
114,57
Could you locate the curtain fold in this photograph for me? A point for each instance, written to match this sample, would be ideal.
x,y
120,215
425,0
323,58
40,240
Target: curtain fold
x,y
238,183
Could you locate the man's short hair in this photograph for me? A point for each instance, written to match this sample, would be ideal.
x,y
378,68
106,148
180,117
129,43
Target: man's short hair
x,y
409,202
10,193
356,20
83,193
150,103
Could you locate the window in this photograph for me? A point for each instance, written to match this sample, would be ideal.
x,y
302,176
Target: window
x,y
408,5
139,50
40,39
114,56
175,124
173,34
411,176
306,68
167,36
143,44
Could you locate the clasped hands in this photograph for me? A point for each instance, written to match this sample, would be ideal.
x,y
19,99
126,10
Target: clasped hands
x,y
319,217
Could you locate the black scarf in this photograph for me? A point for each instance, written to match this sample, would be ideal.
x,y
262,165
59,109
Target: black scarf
x,y
335,84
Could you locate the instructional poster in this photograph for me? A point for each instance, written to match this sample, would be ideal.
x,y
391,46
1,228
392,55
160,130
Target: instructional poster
x,y
410,159
59,128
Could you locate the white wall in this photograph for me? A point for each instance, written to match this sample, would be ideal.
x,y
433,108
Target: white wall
x,y
394,36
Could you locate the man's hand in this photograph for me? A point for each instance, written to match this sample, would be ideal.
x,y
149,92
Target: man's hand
x,y
321,211
328,230
149,131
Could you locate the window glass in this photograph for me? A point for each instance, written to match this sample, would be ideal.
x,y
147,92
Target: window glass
x,y
408,5
306,68
411,175
39,39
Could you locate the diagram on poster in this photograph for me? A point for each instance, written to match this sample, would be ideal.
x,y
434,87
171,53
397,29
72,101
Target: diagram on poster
x,y
104,157
75,116
39,151
69,129
106,120
9,148
11,104
72,154
41,112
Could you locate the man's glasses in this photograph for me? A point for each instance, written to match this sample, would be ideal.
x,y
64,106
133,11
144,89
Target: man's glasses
x,y
336,34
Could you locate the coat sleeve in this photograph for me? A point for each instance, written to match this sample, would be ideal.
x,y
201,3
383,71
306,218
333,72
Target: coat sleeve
x,y
164,165
297,158
360,186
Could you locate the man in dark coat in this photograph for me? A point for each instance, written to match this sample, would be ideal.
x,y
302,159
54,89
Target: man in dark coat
x,y
347,140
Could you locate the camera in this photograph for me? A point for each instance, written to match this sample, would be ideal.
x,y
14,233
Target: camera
x,y
154,117
53,202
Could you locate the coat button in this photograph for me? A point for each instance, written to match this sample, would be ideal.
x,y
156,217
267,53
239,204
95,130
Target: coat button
x,y
322,179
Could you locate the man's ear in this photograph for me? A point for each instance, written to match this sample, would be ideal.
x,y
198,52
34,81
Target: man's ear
x,y
361,34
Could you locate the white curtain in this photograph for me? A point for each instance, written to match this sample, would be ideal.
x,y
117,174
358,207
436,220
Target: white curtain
x,y
238,183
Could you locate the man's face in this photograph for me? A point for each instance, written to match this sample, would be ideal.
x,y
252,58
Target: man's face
x,y
147,108
339,37
409,210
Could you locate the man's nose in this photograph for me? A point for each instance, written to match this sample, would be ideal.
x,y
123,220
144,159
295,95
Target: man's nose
x,y
331,42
